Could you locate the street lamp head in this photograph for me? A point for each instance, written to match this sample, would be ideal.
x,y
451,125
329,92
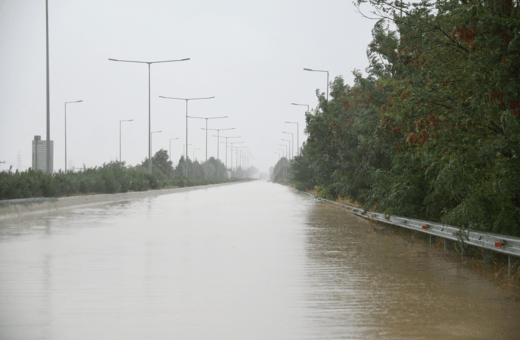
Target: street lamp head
x,y
185,59
307,69
112,59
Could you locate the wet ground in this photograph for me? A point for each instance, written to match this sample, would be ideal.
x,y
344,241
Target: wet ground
x,y
247,261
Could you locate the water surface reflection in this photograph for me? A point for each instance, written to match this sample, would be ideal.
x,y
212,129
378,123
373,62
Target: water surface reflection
x,y
247,261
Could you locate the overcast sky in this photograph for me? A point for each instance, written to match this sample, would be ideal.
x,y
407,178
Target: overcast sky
x,y
250,55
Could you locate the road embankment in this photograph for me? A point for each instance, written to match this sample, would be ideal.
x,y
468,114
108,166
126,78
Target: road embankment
x,y
28,206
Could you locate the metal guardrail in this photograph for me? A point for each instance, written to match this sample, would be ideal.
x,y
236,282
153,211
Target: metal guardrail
x,y
508,245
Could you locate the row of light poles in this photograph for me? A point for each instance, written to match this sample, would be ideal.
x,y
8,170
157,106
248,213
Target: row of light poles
x,y
286,152
149,63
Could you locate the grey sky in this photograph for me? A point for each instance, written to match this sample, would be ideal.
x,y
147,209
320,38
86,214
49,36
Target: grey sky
x,y
249,55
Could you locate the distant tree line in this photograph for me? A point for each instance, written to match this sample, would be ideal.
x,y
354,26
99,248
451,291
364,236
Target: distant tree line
x,y
433,130
116,177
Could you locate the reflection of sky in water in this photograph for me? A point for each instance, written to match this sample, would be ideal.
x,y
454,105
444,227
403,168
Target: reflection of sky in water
x,y
247,261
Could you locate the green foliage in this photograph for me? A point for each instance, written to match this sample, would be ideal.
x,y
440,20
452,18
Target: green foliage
x,y
281,171
113,177
433,130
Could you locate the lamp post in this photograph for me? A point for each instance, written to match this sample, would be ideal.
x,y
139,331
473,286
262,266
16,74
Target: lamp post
x,y
193,163
292,138
226,144
171,147
289,153
194,153
150,159
121,121
206,118
237,154
48,127
186,99
297,135
232,152
308,110
277,153
77,101
149,101
218,138
308,69
185,149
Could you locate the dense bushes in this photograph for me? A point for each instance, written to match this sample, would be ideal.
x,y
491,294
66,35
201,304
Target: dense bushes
x,y
109,179
113,177
433,130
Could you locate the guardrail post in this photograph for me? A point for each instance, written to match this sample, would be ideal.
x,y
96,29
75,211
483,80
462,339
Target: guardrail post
x,y
447,244
464,250
486,256
432,240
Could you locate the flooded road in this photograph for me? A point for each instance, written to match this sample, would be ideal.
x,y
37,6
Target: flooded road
x,y
246,261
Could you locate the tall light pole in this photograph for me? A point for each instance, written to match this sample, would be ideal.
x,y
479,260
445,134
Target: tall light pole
x,y
194,153
171,147
48,128
77,101
186,99
218,138
297,135
292,138
206,118
289,153
150,159
239,152
308,69
128,120
149,101
185,149
232,152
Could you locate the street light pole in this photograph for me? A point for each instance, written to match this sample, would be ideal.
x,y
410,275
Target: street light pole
x,y
185,149
149,101
237,156
232,152
129,120
48,128
292,147
194,153
289,153
206,118
77,101
297,135
226,144
308,110
218,138
171,147
186,99
308,69
150,159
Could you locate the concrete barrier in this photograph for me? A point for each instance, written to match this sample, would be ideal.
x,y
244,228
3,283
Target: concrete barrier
x,y
28,206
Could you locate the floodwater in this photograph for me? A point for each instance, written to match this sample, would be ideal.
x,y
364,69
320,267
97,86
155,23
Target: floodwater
x,y
246,261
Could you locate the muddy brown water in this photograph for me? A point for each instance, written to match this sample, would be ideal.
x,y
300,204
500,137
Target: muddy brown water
x,y
248,261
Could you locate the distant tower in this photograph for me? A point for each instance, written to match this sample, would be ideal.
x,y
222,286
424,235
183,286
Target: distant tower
x,y
39,154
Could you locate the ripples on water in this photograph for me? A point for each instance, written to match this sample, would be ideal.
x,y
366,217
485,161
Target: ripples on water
x,y
246,261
